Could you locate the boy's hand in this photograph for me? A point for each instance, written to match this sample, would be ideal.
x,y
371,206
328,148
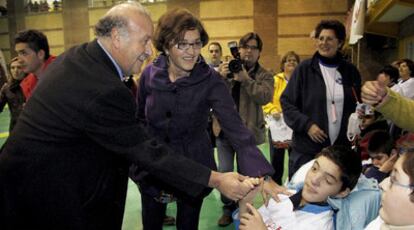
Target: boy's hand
x,y
389,163
251,219
272,189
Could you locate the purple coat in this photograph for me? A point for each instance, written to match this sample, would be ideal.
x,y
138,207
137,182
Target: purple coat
x,y
177,114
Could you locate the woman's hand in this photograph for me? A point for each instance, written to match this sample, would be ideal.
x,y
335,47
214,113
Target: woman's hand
x,y
317,134
373,92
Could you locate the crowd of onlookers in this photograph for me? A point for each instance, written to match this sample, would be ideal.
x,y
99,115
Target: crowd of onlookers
x,y
349,147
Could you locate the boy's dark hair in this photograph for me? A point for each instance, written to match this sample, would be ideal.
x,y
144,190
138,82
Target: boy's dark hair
x,y
35,39
334,25
347,160
392,72
381,142
249,36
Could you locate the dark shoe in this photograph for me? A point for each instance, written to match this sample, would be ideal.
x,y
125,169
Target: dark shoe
x,y
225,220
169,221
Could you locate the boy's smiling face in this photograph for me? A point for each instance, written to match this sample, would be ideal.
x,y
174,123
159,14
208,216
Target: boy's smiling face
x,y
322,180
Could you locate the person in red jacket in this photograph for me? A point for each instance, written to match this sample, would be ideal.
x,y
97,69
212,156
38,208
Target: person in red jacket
x,y
32,49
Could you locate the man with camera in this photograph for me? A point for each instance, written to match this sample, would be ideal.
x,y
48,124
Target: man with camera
x,y
251,87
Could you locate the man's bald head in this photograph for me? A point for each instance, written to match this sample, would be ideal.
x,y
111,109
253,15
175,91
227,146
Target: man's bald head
x,y
119,17
125,32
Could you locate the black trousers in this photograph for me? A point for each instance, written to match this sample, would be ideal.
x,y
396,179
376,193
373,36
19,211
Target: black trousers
x,y
153,213
277,159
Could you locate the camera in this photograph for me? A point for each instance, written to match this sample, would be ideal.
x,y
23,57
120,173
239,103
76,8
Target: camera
x,y
235,65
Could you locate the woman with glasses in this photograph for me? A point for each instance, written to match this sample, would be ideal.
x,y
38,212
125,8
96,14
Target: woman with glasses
x,y
397,203
321,95
175,95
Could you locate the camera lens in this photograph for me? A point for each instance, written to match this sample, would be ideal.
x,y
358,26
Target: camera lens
x,y
235,66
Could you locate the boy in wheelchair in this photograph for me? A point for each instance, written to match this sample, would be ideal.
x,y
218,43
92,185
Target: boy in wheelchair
x,y
323,195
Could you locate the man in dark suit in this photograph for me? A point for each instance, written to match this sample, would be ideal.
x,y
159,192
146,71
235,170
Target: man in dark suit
x,y
65,166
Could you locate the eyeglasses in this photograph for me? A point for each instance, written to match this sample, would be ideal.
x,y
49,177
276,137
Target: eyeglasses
x,y
392,181
186,45
402,150
326,39
249,47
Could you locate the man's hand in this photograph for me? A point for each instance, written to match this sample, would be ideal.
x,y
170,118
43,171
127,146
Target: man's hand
x,y
251,219
231,184
252,193
223,69
272,189
373,92
317,134
242,75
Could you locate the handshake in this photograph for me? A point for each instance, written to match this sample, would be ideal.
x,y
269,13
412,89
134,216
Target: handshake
x,y
236,186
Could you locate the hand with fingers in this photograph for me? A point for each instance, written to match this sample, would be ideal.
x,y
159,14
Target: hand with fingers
x,y
317,134
373,92
233,185
251,219
389,163
271,190
242,75
223,69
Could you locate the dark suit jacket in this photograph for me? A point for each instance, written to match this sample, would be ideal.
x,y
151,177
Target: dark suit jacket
x,y
65,166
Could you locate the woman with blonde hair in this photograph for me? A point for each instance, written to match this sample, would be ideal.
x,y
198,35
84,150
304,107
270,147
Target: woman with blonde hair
x,y
277,149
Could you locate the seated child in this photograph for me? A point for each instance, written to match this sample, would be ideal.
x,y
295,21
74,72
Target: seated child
x,y
335,172
369,125
380,146
397,210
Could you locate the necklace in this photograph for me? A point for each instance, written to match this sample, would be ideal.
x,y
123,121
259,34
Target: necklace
x,y
331,90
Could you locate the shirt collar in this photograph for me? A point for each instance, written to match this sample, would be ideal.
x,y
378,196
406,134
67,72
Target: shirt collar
x,y
316,207
118,69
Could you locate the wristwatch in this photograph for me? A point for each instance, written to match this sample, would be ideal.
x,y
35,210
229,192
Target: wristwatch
x,y
267,178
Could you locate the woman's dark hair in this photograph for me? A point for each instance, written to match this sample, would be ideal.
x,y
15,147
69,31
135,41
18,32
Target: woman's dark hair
x,y
410,65
172,26
285,57
392,72
249,36
35,39
334,25
347,160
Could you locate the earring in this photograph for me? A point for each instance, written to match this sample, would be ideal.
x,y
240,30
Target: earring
x,y
167,53
198,59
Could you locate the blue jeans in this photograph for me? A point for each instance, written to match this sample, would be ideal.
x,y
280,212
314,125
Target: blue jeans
x,y
226,155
